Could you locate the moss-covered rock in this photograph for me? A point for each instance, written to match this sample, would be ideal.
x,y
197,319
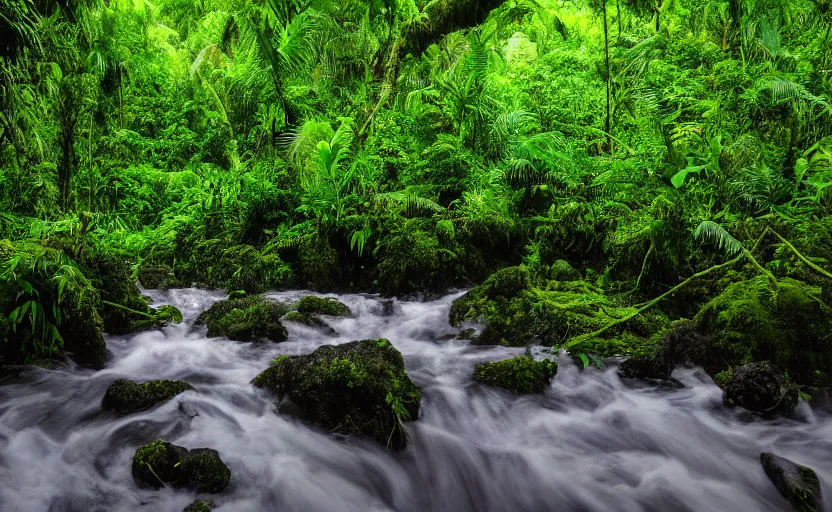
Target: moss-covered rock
x,y
160,463
252,318
157,277
204,471
515,312
237,294
787,324
304,319
798,484
198,506
680,345
126,397
521,375
158,318
358,388
760,387
312,305
561,270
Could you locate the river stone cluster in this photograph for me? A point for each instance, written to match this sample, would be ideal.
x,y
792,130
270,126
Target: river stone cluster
x,y
251,318
160,463
127,397
358,388
798,484
521,375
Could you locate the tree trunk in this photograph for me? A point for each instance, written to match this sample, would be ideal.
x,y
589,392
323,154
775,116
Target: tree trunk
x,y
618,14
609,77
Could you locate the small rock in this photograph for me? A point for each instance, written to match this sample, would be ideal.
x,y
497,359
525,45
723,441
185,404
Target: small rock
x,y
161,462
521,375
198,506
126,397
251,318
798,484
467,334
759,387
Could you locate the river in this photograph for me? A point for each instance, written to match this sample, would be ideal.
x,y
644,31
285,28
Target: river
x,y
591,442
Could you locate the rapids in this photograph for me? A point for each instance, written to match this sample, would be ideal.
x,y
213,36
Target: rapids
x,y
590,443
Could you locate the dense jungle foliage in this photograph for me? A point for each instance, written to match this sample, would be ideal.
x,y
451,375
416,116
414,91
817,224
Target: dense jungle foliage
x,y
614,172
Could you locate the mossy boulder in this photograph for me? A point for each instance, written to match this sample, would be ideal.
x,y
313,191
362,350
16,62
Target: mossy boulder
x,y
312,305
787,324
521,375
760,387
126,397
304,319
157,277
160,463
159,317
252,318
516,312
358,388
561,270
798,484
680,345
198,506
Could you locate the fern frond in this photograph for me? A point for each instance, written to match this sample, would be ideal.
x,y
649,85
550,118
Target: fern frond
x,y
709,231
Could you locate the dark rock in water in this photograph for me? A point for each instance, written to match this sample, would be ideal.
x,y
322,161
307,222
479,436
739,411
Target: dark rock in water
x,y
126,397
198,506
304,319
645,367
160,463
521,375
759,387
358,388
681,345
204,471
387,308
311,305
467,334
798,484
252,318
188,410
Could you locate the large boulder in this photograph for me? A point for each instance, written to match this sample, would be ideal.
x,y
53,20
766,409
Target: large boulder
x,y
760,387
680,345
798,484
521,375
126,397
160,463
358,388
252,318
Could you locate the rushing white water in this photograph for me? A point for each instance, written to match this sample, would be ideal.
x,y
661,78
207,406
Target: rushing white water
x,y
590,443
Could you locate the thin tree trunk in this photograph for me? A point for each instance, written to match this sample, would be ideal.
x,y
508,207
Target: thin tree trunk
x,y
609,78
618,13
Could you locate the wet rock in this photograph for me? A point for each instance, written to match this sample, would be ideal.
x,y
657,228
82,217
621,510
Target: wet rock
x,y
798,484
198,506
126,397
759,387
521,375
358,388
304,319
252,318
160,463
645,367
312,305
157,277
161,317
467,334
681,345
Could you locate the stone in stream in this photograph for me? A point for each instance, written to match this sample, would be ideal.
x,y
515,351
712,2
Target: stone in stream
x,y
252,318
312,305
126,397
198,506
160,463
358,388
760,387
798,484
521,375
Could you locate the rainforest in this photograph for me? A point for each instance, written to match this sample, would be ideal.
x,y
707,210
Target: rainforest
x,y
410,255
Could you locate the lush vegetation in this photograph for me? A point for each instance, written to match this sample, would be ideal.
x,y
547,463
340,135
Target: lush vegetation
x,y
637,160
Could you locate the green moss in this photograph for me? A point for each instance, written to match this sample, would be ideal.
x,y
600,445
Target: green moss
x,y
198,506
157,277
311,305
127,397
204,471
358,388
160,463
251,318
237,294
162,317
788,325
515,313
521,375
302,318
561,270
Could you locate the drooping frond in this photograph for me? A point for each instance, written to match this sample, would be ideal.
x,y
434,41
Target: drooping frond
x,y
711,232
